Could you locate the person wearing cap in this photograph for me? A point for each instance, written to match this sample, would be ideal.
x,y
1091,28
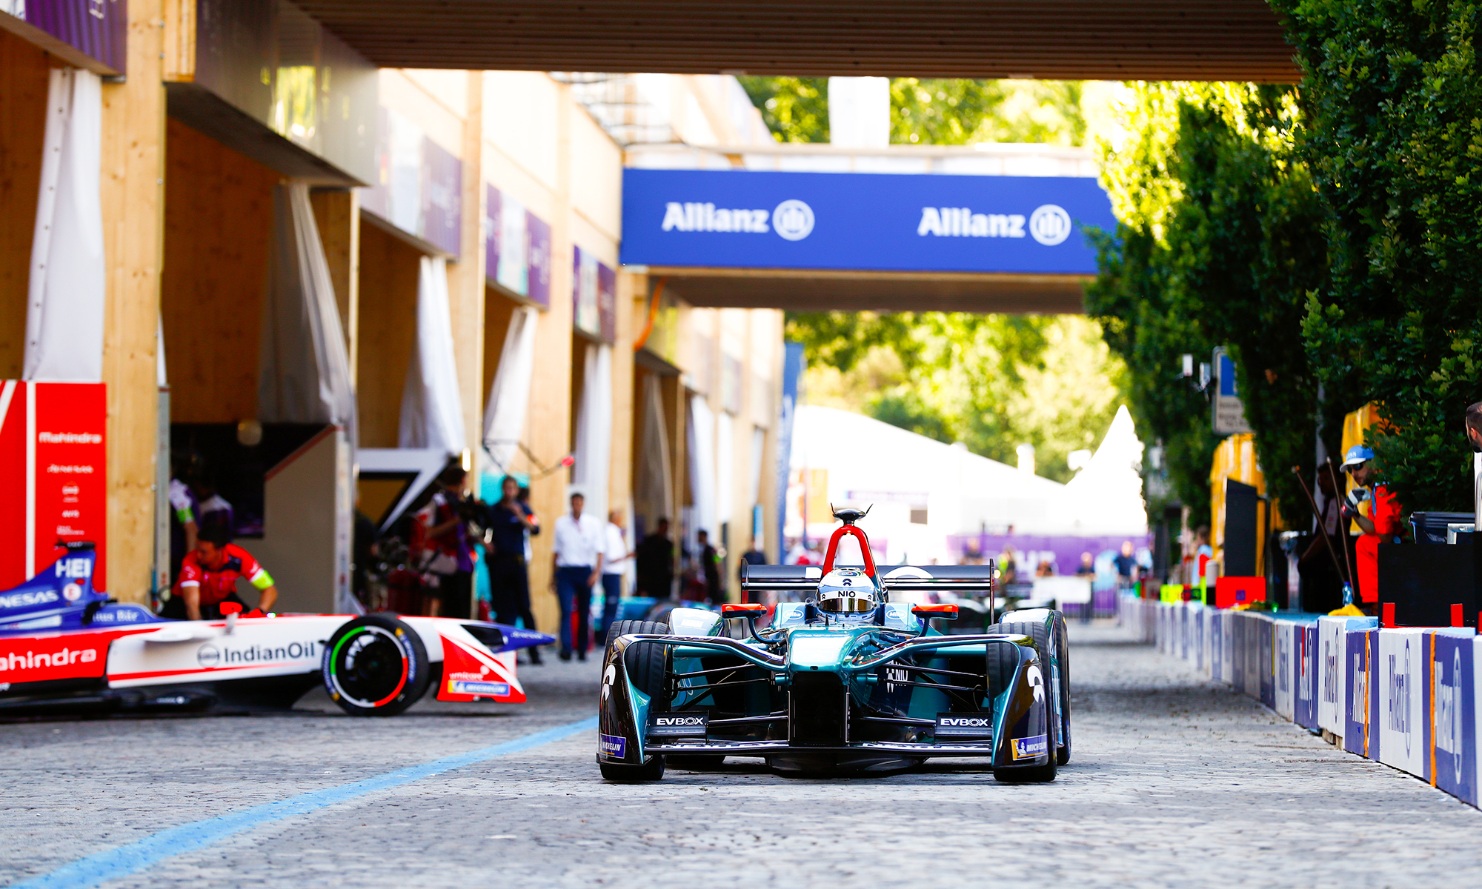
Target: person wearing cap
x,y
1381,525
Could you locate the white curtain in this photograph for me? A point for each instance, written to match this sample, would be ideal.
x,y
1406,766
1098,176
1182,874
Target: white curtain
x,y
509,397
653,476
64,307
701,441
594,430
431,409
758,450
725,472
305,375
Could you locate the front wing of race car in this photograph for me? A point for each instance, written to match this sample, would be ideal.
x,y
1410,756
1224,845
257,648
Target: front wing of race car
x,y
927,696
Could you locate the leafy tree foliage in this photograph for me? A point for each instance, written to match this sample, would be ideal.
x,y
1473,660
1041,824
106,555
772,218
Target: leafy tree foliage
x,y
1395,147
992,382
1214,247
794,108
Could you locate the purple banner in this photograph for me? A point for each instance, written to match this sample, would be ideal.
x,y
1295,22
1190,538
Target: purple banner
x,y
517,248
1305,709
419,186
98,29
594,296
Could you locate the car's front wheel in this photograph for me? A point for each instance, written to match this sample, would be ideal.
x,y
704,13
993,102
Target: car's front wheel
x,y
375,665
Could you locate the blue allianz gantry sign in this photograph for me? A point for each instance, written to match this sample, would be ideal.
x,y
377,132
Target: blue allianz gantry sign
x,y
862,221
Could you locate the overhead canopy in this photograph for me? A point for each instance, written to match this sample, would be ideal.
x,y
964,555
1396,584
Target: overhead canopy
x,y
1060,39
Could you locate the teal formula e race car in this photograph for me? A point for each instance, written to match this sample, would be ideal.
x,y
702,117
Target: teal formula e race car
x,y
845,681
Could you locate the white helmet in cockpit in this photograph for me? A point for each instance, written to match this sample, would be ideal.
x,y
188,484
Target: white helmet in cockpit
x,y
846,591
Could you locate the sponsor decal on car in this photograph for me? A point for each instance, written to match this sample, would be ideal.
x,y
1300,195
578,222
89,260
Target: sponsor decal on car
x,y
612,746
209,655
29,599
42,660
1031,747
475,687
964,725
678,725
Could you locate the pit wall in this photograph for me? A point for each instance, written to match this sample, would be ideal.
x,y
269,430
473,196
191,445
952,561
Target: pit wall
x,y
1405,697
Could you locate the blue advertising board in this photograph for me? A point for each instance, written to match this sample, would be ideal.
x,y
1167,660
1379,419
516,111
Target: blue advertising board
x,y
1356,719
862,221
1305,709
1450,704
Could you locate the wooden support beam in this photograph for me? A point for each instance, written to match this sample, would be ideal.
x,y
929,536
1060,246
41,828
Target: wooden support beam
x,y
23,84
133,154
549,423
466,276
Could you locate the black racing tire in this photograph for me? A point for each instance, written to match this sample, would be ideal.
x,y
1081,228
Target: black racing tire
x,y
1003,660
375,665
1062,656
1040,634
1053,642
617,773
646,670
646,662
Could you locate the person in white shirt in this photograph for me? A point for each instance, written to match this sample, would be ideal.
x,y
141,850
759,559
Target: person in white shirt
x,y
616,557
578,564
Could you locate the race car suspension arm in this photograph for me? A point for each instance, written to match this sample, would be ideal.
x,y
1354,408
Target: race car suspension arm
x,y
701,692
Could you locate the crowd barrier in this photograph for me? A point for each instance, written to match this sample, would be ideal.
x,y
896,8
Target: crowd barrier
x,y
1408,698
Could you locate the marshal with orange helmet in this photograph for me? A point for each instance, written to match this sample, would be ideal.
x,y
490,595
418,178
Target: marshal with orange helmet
x,y
851,679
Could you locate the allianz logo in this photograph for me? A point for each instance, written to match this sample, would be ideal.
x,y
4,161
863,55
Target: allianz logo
x,y
1448,713
1360,692
1398,717
1284,667
1329,672
1049,224
792,219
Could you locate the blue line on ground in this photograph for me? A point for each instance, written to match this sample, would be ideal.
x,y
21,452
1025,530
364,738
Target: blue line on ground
x,y
125,860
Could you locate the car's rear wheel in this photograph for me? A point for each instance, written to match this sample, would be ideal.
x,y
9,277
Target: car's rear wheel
x,y
646,672
375,665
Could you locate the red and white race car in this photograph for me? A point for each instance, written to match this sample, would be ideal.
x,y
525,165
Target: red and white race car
x,y
65,646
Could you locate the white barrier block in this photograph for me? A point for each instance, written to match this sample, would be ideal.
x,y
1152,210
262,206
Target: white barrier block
x,y
1286,652
1400,673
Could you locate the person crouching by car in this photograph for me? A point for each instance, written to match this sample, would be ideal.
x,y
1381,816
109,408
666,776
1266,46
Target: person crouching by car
x,y
578,565
208,575
1381,525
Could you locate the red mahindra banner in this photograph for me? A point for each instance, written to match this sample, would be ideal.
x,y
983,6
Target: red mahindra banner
x,y
53,472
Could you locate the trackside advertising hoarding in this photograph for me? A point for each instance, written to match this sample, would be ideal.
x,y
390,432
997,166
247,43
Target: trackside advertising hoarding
x,y
1451,707
862,221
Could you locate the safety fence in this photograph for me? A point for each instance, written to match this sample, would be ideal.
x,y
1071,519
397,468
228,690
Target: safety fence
x,y
1408,698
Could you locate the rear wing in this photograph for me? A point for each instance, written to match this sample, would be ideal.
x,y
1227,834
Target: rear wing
x,y
936,578
780,578
902,578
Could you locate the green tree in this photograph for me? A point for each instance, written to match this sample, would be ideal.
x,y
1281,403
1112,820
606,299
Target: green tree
x,y
1214,247
1395,147
795,108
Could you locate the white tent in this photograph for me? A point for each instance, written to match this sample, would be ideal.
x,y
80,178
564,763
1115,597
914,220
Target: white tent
x,y
923,490
1105,497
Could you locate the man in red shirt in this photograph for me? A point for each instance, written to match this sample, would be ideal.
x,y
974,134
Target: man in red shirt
x,y
208,575
1381,525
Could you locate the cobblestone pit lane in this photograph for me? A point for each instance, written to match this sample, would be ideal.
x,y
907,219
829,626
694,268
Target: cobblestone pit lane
x,y
1175,782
